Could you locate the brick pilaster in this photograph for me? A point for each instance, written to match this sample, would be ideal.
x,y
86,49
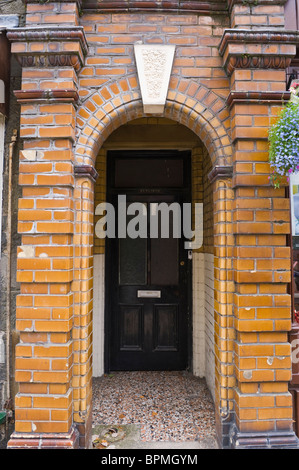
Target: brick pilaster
x,y
83,300
261,259
223,196
46,358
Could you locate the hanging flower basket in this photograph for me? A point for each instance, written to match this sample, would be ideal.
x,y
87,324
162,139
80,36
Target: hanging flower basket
x,y
284,140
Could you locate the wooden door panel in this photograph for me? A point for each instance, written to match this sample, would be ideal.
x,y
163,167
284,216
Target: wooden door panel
x,y
165,328
131,330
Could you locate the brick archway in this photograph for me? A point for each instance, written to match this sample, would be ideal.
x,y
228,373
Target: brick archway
x,y
55,269
189,103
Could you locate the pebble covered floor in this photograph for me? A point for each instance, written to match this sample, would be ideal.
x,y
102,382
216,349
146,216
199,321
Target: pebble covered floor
x,y
168,406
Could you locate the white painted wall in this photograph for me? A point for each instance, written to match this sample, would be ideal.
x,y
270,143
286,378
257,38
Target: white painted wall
x,y
98,314
203,318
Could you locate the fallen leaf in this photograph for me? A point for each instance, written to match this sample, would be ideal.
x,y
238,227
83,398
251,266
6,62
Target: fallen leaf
x,y
100,446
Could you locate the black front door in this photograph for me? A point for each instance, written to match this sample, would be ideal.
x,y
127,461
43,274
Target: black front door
x,y
148,307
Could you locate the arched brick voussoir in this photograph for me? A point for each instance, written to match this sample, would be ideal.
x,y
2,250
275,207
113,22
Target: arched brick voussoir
x,y
189,103
201,126
89,143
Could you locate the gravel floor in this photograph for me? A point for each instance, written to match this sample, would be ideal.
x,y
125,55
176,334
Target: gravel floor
x,y
168,406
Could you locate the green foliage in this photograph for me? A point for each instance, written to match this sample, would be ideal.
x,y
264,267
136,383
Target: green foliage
x,y
284,142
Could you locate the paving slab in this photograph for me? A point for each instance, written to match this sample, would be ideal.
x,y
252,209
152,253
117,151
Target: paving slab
x,y
129,437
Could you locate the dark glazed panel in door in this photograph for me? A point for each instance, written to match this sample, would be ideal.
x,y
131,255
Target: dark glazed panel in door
x,y
150,173
132,261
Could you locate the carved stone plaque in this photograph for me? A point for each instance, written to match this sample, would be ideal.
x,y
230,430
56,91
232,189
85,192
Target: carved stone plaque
x,y
154,64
